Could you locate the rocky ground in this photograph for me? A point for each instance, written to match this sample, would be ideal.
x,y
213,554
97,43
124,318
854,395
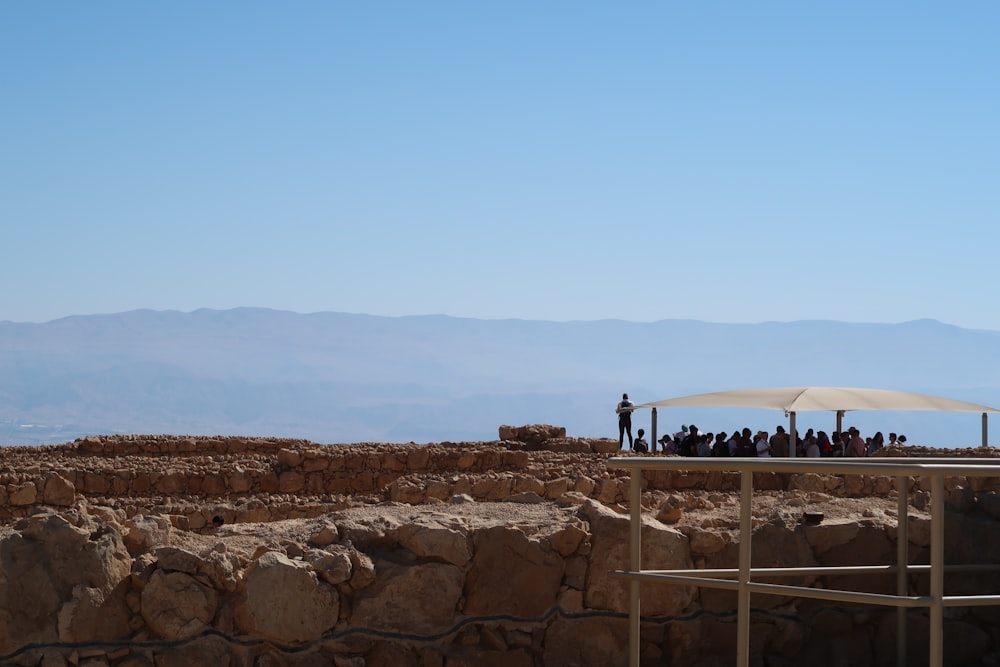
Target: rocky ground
x,y
439,555
252,514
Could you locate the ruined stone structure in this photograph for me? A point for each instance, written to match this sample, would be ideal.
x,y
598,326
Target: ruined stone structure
x,y
440,555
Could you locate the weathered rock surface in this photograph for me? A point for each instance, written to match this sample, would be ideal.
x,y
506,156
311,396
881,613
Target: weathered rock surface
x,y
133,551
60,573
513,574
175,605
284,600
663,548
410,597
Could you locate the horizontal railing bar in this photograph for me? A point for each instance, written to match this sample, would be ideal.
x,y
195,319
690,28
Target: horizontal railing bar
x,y
827,570
972,460
724,584
970,600
781,589
785,571
840,596
799,464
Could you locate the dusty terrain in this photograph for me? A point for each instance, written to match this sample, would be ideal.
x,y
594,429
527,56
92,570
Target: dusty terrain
x,y
174,470
175,550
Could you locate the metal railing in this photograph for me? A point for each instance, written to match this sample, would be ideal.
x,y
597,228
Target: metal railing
x,y
900,468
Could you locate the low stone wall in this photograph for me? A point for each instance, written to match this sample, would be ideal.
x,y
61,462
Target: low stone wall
x,y
156,473
498,584
440,555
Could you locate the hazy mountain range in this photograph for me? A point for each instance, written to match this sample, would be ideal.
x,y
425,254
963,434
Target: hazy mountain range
x,y
335,377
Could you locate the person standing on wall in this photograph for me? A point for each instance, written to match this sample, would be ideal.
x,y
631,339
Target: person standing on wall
x,y
624,411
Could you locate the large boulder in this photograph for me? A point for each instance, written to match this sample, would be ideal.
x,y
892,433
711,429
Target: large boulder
x,y
95,615
23,494
870,546
532,434
831,533
512,574
145,532
587,642
223,569
175,605
207,650
409,597
434,539
979,543
663,548
285,601
772,545
332,564
58,491
56,575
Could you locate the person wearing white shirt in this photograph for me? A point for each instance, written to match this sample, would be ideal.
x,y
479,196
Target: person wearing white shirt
x,y
763,446
705,444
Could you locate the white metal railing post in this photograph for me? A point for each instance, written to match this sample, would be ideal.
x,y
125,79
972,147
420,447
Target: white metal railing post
x,y
635,564
902,558
936,655
740,579
743,599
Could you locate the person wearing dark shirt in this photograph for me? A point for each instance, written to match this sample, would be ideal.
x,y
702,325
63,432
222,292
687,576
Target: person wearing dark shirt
x,y
689,445
624,411
779,442
721,446
640,442
746,447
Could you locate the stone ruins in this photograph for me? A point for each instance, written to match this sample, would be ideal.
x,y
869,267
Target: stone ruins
x,y
170,551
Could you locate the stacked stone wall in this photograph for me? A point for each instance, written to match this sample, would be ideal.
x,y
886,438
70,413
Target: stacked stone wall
x,y
405,589
295,478
97,566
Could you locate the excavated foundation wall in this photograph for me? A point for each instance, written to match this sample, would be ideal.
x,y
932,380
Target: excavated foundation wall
x,y
94,576
270,479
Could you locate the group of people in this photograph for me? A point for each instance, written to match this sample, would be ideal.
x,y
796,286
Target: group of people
x,y
689,441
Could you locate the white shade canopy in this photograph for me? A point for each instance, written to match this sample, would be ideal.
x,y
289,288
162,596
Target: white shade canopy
x,y
837,399
800,399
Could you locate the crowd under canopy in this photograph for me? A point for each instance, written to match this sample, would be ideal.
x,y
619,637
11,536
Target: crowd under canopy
x,y
792,400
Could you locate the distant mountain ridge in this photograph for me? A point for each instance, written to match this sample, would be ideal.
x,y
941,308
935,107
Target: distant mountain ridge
x,y
337,377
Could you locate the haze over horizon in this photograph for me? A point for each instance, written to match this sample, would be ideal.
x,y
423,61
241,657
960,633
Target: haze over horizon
x,y
556,162
336,377
459,317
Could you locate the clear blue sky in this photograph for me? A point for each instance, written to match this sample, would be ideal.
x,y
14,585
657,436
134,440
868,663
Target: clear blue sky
x,y
726,161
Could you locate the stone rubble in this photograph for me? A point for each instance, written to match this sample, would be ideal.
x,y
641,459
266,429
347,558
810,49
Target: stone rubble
x,y
136,551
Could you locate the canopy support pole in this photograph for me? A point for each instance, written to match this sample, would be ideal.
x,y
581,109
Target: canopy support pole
x,y
984,430
652,430
791,433
840,421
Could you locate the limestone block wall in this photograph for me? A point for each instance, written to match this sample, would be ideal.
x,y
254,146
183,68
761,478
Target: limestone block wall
x,y
109,557
402,587
268,479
